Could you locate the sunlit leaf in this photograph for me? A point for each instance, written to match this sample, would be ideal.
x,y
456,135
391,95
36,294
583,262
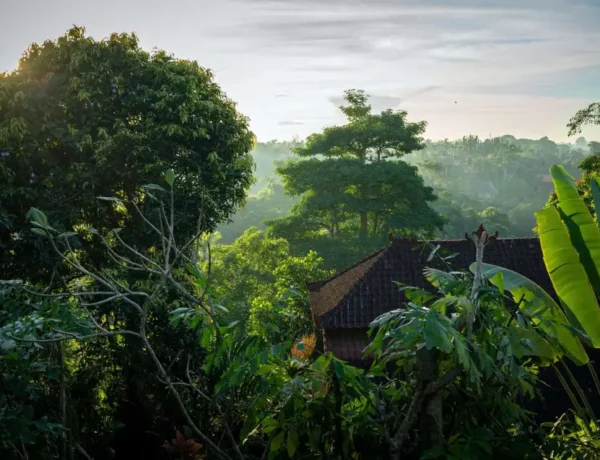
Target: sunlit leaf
x,y
170,177
567,273
583,231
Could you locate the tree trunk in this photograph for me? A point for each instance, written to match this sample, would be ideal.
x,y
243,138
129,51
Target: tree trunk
x,y
339,434
67,440
431,416
364,229
363,225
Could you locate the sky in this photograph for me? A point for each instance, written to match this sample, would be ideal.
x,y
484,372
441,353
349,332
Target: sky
x,y
485,67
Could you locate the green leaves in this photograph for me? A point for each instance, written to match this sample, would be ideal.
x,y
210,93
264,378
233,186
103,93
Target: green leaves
x,y
154,187
340,186
583,231
277,442
159,118
292,442
567,273
539,305
40,222
37,217
436,333
595,184
170,177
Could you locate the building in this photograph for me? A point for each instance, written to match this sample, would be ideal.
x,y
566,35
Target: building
x,y
344,305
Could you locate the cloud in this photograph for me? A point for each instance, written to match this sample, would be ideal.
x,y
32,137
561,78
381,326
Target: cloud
x,y
381,102
290,123
460,31
281,95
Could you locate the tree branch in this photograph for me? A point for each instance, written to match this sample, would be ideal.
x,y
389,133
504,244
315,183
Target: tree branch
x,y
73,336
417,401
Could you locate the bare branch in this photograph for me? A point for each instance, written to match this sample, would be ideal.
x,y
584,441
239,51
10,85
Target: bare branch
x,y
82,452
122,261
73,336
179,401
223,416
96,277
101,302
207,275
171,239
136,252
152,226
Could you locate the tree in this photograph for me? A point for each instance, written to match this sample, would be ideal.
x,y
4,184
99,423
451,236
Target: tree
x,y
252,274
354,183
470,175
588,116
368,139
81,118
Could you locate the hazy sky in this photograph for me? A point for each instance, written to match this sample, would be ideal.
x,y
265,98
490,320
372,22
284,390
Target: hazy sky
x,y
466,66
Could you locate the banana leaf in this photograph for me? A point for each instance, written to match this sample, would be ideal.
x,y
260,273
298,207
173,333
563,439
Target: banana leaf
x,y
595,184
583,231
567,273
538,303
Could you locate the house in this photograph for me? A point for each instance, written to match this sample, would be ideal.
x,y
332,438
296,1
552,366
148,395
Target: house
x,y
344,305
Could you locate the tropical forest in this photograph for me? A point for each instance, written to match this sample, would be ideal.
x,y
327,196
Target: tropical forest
x,y
173,286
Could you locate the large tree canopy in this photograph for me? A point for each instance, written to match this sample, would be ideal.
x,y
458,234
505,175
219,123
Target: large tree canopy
x,y
355,175
81,118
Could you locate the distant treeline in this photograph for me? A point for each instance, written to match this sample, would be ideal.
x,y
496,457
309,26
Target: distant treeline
x,y
499,181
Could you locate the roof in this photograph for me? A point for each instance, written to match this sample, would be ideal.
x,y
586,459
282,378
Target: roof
x,y
358,295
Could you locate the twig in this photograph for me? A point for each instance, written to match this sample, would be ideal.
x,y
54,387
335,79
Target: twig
x,y
83,452
179,401
71,336
513,315
206,397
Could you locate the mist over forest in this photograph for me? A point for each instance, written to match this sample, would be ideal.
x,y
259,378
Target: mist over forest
x,y
499,182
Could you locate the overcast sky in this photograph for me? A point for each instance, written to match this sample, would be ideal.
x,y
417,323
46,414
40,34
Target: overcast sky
x,y
486,67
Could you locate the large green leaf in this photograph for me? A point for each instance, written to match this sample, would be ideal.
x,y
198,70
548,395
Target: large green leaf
x,y
583,231
567,273
537,302
595,185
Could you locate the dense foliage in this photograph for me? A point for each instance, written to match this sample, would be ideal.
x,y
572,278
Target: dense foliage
x,y
81,118
251,275
129,328
506,174
499,182
355,182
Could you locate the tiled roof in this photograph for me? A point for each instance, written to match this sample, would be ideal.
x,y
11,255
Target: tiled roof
x,y
347,344
355,297
336,287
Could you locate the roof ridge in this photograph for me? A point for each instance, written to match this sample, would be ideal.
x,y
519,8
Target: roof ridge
x,y
323,282
519,238
339,290
337,275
